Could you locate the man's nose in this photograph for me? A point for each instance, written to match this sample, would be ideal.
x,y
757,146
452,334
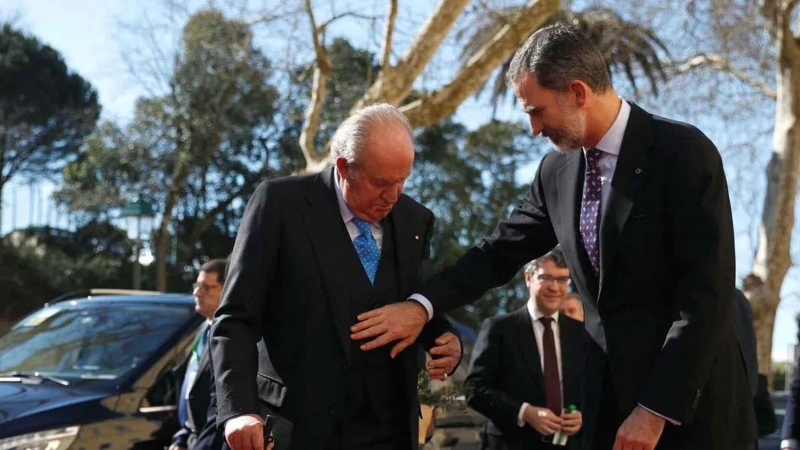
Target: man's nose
x,y
535,125
392,194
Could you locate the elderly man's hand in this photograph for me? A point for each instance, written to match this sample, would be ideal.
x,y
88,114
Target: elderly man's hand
x,y
402,321
446,355
246,433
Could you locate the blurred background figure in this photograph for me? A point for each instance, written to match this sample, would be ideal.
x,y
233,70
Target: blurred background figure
x,y
195,389
572,306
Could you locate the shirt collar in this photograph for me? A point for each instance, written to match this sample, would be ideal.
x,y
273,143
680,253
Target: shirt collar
x,y
612,141
347,215
536,314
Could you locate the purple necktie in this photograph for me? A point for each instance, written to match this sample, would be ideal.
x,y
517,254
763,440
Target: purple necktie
x,y
552,382
590,207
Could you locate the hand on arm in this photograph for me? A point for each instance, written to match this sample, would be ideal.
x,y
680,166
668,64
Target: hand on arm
x,y
398,322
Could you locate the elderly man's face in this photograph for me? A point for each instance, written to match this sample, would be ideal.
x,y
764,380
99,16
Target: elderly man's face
x,y
373,184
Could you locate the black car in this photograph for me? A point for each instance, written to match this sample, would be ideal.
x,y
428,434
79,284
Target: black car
x,y
95,372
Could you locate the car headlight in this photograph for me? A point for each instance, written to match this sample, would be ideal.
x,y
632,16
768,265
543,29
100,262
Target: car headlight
x,y
55,439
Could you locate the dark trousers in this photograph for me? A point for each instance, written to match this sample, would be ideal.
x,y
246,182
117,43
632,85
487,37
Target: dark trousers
x,y
365,431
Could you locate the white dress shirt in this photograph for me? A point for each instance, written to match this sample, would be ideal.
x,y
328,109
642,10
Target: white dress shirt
x,y
538,332
348,216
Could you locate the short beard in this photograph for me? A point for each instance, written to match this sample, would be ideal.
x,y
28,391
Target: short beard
x,y
573,131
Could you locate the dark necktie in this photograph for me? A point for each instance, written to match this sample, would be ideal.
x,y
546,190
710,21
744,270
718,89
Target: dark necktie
x,y
367,248
590,207
552,383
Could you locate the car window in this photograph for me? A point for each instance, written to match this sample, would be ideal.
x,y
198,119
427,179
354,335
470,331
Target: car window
x,y
90,339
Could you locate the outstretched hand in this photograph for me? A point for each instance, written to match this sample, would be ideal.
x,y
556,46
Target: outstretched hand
x,y
400,322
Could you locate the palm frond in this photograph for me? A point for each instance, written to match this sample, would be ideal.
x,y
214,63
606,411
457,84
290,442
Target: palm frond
x,y
625,45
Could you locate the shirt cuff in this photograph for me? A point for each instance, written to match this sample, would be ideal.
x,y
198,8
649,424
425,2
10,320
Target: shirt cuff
x,y
672,421
521,415
419,298
789,443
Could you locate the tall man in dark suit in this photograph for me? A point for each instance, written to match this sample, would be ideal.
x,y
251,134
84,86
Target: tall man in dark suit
x,y
639,204
790,434
312,253
526,366
194,392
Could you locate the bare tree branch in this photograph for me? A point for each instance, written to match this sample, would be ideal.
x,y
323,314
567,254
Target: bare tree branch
x,y
718,63
318,93
325,24
393,89
443,102
386,48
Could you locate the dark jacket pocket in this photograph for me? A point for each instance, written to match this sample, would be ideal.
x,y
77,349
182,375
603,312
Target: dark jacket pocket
x,y
270,390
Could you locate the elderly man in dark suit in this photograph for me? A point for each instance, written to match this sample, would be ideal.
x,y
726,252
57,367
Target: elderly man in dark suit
x,y
639,205
312,253
527,366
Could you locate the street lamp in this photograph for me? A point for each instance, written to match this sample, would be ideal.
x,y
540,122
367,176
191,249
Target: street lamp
x,y
139,215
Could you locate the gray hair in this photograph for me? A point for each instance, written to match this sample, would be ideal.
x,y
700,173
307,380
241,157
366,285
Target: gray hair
x,y
553,255
557,55
350,139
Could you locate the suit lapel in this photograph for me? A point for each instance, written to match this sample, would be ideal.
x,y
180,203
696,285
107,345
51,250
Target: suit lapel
x,y
402,248
324,224
201,366
570,190
629,174
571,352
527,345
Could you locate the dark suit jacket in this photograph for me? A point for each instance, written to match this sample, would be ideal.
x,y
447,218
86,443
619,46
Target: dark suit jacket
x,y
506,371
198,401
660,312
287,284
746,336
791,421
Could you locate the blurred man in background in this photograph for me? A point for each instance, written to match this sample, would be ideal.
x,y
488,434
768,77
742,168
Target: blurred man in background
x,y
194,392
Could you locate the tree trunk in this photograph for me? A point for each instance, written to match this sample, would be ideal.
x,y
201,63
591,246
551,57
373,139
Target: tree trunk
x,y
394,85
180,175
443,102
772,260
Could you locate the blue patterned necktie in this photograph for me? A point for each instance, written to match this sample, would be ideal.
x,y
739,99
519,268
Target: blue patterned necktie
x,y
367,248
590,207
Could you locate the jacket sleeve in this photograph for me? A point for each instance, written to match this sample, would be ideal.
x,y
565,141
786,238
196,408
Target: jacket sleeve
x,y
702,264
480,386
526,234
237,323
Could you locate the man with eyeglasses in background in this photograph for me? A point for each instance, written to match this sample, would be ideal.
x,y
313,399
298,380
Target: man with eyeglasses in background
x,y
526,366
195,389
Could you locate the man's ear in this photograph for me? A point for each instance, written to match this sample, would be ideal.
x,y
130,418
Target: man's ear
x,y
341,167
527,279
578,90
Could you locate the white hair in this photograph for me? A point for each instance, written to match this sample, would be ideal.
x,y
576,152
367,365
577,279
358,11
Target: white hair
x,y
350,139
